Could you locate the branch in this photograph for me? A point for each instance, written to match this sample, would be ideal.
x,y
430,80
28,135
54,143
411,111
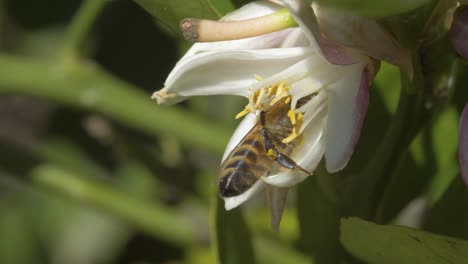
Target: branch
x,y
80,27
88,87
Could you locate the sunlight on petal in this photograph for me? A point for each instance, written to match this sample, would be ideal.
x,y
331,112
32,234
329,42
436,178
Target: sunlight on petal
x,y
346,112
227,72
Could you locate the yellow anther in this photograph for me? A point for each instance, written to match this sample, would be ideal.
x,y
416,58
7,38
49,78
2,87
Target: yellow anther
x,y
277,99
279,90
291,137
261,93
271,154
258,77
272,90
243,112
281,85
288,100
292,116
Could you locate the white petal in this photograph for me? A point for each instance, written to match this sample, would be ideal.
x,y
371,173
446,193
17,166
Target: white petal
x,y
463,144
305,17
307,155
244,127
225,72
347,106
316,107
313,66
267,41
233,202
295,38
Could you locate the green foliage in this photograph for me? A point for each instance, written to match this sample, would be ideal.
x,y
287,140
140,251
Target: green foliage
x,y
232,236
396,244
170,13
94,171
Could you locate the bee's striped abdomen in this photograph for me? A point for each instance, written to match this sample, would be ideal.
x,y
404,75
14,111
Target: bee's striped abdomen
x,y
242,168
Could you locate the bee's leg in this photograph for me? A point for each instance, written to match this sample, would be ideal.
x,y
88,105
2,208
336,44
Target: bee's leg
x,y
288,163
269,147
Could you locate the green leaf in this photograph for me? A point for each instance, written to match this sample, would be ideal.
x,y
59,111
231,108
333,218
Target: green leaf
x,y
372,8
232,236
17,242
170,13
396,244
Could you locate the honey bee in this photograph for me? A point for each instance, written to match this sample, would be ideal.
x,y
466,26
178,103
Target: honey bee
x,y
261,152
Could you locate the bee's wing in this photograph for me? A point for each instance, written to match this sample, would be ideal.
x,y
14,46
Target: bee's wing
x,y
253,132
245,165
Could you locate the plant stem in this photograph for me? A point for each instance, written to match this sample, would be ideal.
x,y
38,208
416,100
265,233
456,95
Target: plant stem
x,y
86,86
80,27
366,190
154,218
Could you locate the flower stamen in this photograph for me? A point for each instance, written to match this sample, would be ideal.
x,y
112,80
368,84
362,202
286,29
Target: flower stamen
x,y
292,116
296,120
243,112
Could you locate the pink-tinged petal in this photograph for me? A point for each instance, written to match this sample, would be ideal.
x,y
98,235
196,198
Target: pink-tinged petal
x,y
233,202
338,54
347,107
306,17
225,72
277,200
459,31
463,144
363,34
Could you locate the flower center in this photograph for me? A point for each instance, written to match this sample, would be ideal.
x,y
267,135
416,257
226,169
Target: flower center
x,y
265,98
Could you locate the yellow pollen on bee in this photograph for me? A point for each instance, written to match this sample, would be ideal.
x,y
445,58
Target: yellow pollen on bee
x,y
271,154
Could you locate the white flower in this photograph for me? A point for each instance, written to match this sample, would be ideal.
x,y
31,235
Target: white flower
x,y
292,58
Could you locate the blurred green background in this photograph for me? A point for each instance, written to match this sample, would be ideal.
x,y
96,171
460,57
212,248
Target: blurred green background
x,y
136,193
93,171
